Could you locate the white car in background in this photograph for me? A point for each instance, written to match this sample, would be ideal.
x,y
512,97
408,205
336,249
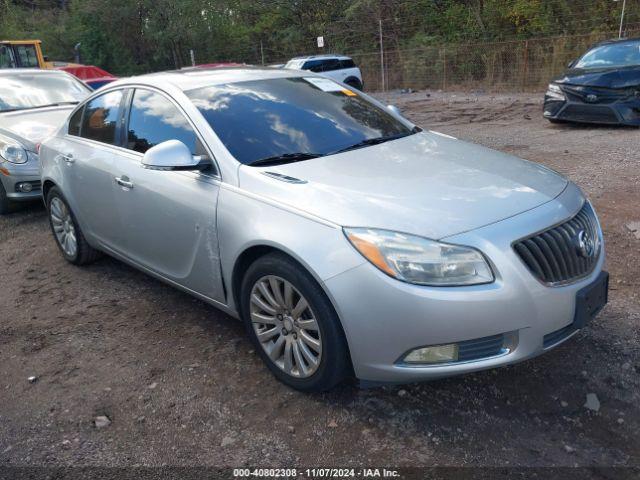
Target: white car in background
x,y
337,67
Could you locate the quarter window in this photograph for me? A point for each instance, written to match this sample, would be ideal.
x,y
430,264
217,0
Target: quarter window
x,y
74,123
101,118
154,119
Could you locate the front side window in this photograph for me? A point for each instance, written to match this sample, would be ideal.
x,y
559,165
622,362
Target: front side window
x,y
329,65
619,54
265,118
20,91
6,57
100,118
154,119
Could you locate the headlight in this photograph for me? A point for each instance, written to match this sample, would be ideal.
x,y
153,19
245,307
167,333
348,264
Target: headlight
x,y
419,260
554,91
12,151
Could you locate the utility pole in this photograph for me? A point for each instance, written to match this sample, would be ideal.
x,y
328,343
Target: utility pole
x,y
624,4
381,56
262,53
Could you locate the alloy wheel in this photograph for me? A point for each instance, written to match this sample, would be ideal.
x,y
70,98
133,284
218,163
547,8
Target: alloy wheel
x,y
63,227
286,326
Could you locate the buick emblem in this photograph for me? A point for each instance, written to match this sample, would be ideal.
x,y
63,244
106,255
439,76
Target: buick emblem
x,y
591,98
585,245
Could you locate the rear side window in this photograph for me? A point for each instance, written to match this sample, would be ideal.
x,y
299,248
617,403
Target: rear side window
x,y
74,123
100,120
347,64
154,119
27,56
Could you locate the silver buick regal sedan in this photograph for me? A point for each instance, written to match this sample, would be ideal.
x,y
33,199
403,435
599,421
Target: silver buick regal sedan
x,y
348,240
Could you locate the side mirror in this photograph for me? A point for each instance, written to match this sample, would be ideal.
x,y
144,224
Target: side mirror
x,y
171,155
395,110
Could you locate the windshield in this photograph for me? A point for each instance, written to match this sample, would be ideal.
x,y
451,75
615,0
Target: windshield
x,y
275,117
25,90
621,54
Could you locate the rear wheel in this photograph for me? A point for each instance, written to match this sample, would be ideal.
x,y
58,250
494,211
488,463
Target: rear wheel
x,y
293,325
67,232
354,83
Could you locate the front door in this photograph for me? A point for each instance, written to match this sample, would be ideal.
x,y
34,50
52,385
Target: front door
x,y
169,216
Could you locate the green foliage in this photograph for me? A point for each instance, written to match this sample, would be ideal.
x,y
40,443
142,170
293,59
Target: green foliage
x,y
134,36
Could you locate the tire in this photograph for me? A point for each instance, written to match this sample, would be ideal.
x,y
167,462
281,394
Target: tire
x,y
333,365
354,83
84,253
5,204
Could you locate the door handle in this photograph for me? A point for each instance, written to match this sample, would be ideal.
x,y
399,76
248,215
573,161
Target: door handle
x,y
68,158
124,182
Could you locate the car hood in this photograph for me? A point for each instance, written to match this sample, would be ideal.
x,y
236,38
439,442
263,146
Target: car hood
x,y
32,126
427,184
604,78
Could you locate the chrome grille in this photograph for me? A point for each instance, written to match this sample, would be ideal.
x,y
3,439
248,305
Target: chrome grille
x,y
557,255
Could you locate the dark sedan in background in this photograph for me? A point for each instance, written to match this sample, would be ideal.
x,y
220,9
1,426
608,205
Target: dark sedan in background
x,y
602,86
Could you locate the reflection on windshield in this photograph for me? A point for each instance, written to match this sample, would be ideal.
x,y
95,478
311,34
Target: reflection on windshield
x,y
34,90
623,54
273,117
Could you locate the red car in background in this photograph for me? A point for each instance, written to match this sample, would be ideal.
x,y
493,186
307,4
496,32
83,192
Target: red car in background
x,y
93,76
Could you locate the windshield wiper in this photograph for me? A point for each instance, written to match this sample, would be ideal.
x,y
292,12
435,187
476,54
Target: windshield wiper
x,y
375,141
59,104
285,158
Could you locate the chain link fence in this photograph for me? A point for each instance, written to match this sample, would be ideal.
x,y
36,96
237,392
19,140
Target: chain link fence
x,y
511,66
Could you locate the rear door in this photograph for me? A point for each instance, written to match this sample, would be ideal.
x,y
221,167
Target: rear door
x,y
92,159
169,216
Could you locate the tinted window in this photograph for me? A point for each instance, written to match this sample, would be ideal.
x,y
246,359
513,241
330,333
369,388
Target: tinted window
x,y
74,123
101,117
313,65
30,90
347,64
153,120
619,54
265,118
329,65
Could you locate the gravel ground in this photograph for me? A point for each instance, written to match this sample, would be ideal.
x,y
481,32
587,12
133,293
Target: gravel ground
x,y
181,385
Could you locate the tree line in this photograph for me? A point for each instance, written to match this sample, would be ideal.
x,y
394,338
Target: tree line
x,y
136,36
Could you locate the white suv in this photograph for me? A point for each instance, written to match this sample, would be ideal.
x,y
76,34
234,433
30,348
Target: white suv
x,y
337,67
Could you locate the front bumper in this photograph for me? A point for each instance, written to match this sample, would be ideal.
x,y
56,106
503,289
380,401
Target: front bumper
x,y
384,318
12,175
611,111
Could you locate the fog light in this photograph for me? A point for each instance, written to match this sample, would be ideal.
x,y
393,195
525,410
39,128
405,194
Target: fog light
x,y
25,187
437,354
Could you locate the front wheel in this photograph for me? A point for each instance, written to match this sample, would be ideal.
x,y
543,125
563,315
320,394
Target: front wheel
x,y
293,325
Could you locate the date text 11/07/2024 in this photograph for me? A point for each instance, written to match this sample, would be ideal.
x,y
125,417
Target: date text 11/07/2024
x,y
316,472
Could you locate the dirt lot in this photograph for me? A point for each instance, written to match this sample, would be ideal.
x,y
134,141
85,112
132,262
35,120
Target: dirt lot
x,y
182,386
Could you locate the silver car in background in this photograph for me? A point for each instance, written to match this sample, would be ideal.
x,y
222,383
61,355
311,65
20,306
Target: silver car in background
x,y
349,241
33,105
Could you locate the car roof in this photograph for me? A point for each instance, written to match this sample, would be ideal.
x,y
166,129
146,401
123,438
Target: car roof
x,y
194,78
616,40
322,57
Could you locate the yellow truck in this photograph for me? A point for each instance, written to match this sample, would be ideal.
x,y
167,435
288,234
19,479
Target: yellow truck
x,y
22,54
